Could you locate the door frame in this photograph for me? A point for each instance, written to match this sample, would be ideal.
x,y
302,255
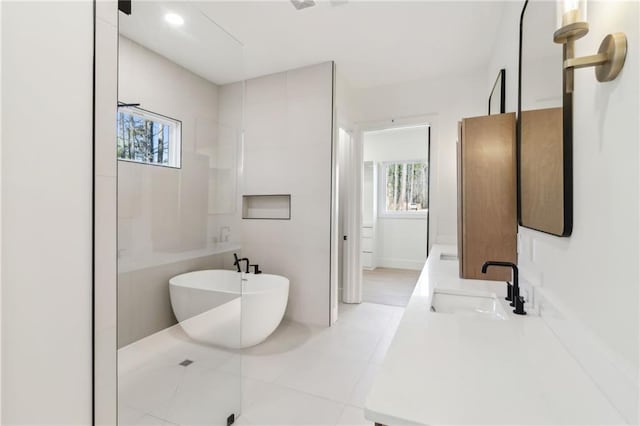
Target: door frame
x,y
431,121
352,246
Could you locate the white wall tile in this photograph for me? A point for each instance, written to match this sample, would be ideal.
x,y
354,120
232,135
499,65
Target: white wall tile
x,y
287,150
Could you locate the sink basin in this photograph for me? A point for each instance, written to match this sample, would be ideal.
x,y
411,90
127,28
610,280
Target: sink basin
x,y
467,304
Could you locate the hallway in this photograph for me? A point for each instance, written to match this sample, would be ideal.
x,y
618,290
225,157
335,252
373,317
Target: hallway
x,y
387,286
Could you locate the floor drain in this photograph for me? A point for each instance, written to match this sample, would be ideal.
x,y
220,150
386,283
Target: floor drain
x,y
186,363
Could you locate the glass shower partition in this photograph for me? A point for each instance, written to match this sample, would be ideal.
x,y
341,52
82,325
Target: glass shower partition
x,y
180,97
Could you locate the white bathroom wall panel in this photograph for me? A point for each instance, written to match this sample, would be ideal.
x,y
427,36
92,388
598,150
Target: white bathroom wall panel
x,y
445,100
47,80
401,243
396,145
589,282
230,137
287,150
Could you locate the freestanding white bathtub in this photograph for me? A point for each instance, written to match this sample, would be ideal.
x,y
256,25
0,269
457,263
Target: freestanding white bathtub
x,y
228,308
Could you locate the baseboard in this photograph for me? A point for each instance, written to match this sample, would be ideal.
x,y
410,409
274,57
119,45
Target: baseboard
x,y
413,264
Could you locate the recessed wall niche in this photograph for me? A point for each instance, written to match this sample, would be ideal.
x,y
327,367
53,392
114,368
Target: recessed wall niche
x,y
272,206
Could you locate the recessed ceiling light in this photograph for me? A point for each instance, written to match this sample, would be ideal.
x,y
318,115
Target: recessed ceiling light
x,y
174,19
302,4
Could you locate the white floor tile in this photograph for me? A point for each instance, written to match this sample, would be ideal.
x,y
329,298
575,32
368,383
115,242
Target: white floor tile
x,y
204,357
290,344
353,416
288,337
128,416
331,378
381,348
242,421
389,286
368,317
362,388
266,368
154,421
203,398
283,407
301,375
150,388
345,342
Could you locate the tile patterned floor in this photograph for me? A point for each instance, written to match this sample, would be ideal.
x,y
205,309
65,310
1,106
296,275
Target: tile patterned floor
x,y
389,286
301,375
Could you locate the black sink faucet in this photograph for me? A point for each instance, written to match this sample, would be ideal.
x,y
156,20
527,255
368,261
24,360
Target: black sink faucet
x,y
237,261
514,292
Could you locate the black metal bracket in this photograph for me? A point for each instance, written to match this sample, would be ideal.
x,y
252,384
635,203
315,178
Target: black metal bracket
x,y
123,105
124,6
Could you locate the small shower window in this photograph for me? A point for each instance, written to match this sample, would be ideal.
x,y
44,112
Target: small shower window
x,y
147,137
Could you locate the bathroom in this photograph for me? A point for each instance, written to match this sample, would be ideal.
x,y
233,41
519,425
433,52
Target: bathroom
x,y
92,326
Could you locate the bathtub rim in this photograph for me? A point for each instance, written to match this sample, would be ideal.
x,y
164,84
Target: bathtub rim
x,y
280,282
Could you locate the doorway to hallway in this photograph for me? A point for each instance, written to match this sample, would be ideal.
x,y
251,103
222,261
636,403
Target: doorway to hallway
x,y
395,212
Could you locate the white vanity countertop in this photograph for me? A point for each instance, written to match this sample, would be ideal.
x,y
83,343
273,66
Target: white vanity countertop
x,y
445,369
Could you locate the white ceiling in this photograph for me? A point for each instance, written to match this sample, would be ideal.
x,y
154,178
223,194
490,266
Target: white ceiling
x,y
372,42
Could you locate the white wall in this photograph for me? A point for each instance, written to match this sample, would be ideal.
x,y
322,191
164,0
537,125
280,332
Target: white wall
x,y
442,103
592,277
287,150
396,144
400,242
47,80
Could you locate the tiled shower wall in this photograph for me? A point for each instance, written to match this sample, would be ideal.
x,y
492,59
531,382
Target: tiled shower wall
x,y
165,211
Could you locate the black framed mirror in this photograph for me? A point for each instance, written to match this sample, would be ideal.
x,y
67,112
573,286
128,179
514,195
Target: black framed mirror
x,y
544,127
497,95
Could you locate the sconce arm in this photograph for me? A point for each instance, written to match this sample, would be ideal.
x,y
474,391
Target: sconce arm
x,y
586,61
608,62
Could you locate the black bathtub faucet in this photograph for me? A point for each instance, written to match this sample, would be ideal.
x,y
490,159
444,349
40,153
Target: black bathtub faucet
x,y
237,262
513,292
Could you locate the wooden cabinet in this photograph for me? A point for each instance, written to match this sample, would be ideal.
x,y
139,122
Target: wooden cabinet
x,y
487,217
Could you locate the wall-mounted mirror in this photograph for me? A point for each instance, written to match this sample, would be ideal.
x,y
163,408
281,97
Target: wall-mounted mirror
x,y
498,94
544,126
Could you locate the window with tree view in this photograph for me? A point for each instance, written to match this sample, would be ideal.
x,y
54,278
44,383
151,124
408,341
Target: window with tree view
x,y
146,137
406,187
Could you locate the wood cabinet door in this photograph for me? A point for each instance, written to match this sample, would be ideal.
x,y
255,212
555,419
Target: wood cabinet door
x,y
488,195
